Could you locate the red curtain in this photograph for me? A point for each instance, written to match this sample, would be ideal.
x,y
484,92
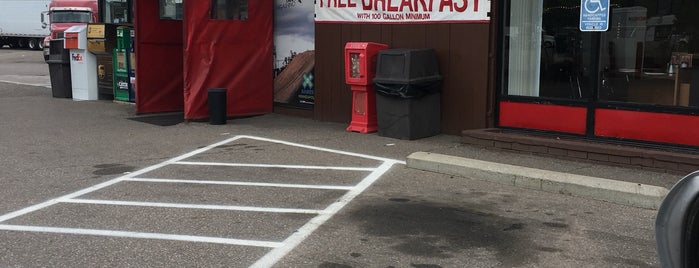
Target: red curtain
x,y
158,45
231,54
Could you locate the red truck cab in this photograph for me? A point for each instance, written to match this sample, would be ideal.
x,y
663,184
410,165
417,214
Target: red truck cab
x,y
66,13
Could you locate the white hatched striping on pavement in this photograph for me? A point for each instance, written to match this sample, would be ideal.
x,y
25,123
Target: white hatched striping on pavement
x,y
125,234
279,249
193,206
272,166
240,183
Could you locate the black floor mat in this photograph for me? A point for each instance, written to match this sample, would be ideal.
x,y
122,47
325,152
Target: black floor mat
x,y
164,120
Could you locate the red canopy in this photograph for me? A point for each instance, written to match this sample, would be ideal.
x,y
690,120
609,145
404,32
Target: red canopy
x,y
231,54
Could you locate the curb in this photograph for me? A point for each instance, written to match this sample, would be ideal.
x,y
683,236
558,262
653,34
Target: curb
x,y
619,192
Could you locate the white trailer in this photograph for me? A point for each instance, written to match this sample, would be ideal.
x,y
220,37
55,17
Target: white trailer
x,y
24,23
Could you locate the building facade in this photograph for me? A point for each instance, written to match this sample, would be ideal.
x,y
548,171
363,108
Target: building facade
x,y
505,63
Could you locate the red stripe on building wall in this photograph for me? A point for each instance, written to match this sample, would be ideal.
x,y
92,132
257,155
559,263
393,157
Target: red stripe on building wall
x,y
559,118
647,126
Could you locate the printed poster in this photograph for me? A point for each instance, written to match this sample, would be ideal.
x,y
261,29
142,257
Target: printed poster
x,y
294,52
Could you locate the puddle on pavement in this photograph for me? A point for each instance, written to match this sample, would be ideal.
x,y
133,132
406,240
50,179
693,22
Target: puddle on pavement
x,y
112,169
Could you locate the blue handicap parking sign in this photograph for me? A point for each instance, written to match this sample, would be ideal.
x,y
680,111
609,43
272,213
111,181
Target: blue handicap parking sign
x,y
594,15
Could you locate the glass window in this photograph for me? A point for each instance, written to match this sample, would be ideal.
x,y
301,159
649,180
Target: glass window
x,y
71,16
546,55
117,11
649,55
229,9
171,9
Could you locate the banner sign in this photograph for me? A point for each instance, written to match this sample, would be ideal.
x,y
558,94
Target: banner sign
x,y
402,11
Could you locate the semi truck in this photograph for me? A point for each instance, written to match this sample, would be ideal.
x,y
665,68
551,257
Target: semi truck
x,y
67,13
24,23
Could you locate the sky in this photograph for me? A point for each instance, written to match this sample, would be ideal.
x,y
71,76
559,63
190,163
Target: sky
x,y
294,28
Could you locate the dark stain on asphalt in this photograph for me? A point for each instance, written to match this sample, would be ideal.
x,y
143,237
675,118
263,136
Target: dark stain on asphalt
x,y
111,169
478,193
355,254
624,261
516,226
400,200
556,224
509,199
333,265
236,144
437,230
425,265
231,147
549,249
106,166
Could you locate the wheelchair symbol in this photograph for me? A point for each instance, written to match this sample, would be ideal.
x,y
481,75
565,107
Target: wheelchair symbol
x,y
596,8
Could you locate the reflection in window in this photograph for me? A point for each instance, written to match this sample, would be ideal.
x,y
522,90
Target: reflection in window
x,y
71,16
171,9
546,53
116,11
649,55
229,9
524,51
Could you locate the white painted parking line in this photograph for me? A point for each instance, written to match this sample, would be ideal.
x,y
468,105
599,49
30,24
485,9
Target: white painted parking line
x,y
26,84
279,249
124,234
243,183
322,149
191,206
273,166
51,202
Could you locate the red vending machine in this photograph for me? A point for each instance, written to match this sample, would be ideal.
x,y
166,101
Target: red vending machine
x,y
360,69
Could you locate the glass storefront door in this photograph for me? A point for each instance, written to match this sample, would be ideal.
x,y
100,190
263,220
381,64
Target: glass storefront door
x,y
647,61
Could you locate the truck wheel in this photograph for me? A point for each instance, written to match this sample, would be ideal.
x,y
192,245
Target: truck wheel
x,y
22,43
13,43
33,44
41,43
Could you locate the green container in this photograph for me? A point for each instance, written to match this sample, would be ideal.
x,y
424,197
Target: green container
x,y
122,87
122,83
124,37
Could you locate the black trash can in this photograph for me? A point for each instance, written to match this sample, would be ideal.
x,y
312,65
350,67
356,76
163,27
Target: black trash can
x,y
217,106
408,97
59,70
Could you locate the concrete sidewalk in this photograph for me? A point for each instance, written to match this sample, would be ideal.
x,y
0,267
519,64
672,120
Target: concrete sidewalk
x,y
617,184
616,191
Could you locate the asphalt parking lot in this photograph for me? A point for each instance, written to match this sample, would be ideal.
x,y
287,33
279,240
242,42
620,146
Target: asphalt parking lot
x,y
267,211
91,184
